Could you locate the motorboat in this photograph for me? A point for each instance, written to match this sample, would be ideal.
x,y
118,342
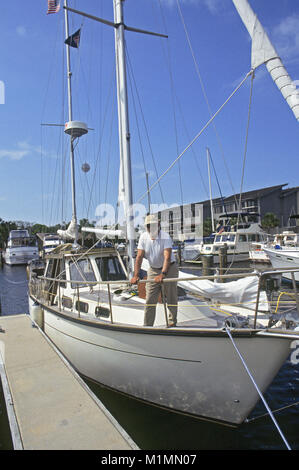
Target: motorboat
x,y
49,242
20,248
286,239
236,239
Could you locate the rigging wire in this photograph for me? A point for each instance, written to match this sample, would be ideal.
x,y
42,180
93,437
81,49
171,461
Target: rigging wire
x,y
243,166
246,140
218,184
109,154
144,123
107,107
137,124
196,137
204,93
172,88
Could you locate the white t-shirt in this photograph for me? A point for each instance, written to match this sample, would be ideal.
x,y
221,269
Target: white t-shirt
x,y
154,249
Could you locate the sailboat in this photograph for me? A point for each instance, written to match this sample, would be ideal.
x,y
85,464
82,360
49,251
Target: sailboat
x,y
85,304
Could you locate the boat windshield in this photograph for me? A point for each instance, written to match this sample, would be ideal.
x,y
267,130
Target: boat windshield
x,y
19,234
23,242
228,238
110,269
81,270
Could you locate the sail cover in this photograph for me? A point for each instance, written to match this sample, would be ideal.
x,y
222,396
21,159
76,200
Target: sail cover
x,y
70,232
242,292
263,52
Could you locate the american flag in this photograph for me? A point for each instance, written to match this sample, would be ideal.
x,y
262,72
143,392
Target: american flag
x,y
53,6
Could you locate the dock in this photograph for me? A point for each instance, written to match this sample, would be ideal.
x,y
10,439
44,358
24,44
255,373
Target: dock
x,y
49,406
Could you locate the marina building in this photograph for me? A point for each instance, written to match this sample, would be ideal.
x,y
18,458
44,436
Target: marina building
x,y
186,221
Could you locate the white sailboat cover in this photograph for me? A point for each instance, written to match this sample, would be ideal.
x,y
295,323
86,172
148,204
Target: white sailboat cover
x,y
70,232
102,232
240,292
263,52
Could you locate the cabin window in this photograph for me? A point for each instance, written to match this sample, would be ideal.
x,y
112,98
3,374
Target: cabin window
x,y
102,312
66,302
228,238
49,271
110,268
242,238
81,270
81,306
218,238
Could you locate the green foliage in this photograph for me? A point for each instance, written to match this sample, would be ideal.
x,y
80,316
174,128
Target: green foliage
x,y
207,227
270,220
5,228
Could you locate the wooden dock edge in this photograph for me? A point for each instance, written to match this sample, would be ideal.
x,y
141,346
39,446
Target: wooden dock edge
x,y
8,396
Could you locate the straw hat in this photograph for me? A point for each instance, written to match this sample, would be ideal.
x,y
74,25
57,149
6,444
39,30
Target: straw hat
x,y
151,219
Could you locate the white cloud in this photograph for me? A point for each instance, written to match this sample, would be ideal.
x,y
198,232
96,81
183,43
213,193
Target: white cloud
x,y
22,150
21,30
286,37
213,5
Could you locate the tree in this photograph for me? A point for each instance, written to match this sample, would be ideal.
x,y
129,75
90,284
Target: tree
x,y
207,227
5,228
270,220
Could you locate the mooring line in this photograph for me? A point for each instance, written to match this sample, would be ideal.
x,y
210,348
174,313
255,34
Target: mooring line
x,y
258,390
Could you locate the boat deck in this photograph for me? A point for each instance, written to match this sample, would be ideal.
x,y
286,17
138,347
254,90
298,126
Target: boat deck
x,y
53,409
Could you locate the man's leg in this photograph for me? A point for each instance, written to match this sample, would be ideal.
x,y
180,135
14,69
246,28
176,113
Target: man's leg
x,y
153,290
171,293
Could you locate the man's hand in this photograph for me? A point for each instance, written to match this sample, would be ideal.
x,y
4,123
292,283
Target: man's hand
x,y
134,280
159,278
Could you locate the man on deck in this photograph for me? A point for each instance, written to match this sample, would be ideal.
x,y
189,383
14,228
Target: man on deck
x,y
156,246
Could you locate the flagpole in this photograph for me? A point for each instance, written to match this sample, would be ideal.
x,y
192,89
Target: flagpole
x,y
70,117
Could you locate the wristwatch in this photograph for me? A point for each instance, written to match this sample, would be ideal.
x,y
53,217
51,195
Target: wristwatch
x,y
164,273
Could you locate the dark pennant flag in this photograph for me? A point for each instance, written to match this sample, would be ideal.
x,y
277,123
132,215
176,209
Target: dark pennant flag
x,y
74,39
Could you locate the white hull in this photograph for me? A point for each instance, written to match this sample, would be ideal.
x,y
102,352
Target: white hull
x,y
192,255
21,257
233,257
189,371
285,258
260,255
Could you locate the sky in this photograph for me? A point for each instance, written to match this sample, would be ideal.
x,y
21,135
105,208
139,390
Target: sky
x,y
208,48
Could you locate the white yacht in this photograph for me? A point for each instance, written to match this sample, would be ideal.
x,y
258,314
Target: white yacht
x,y
237,239
49,242
20,248
286,239
284,258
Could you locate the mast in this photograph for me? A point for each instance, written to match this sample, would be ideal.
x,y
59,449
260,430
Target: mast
x,y
123,117
70,117
211,200
123,123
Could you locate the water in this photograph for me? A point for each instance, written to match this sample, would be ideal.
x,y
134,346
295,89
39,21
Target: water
x,y
155,429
